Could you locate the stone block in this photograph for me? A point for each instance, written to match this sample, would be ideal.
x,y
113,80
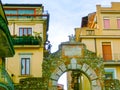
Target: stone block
x,y
89,71
54,76
93,76
59,73
69,66
63,67
54,82
73,66
85,67
78,66
73,61
94,82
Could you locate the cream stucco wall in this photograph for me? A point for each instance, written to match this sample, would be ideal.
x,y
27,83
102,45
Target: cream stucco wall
x,y
14,64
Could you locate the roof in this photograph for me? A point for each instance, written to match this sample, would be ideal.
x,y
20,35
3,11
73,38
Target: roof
x,y
25,5
84,21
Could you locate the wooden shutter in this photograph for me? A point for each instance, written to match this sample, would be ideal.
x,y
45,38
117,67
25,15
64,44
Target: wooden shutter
x,y
118,23
106,23
107,52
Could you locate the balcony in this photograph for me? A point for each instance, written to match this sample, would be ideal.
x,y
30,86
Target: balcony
x,y
113,32
5,80
27,16
111,59
27,40
90,32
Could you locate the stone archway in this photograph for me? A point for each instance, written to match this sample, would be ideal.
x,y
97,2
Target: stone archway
x,y
95,83
80,59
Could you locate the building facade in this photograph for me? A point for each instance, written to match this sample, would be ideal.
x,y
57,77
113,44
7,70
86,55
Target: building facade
x,y
28,24
100,32
6,51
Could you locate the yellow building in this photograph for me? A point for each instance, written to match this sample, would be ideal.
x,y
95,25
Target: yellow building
x,y
6,50
28,24
100,32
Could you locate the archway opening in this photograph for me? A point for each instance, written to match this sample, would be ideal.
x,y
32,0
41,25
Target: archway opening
x,y
74,80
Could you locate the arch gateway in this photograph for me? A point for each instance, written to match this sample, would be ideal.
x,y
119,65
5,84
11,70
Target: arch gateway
x,y
73,56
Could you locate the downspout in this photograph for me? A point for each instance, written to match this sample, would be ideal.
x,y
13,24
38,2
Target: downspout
x,y
13,28
95,46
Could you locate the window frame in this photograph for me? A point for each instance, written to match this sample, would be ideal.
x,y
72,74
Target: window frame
x,y
25,55
8,10
27,66
25,12
105,24
22,31
118,23
109,70
9,13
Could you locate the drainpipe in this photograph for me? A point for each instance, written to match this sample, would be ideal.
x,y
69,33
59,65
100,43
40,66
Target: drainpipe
x,y
13,28
95,46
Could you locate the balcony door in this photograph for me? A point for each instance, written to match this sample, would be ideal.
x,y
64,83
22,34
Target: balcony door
x,y
107,52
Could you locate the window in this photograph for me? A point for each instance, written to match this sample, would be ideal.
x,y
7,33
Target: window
x,y
25,12
22,12
110,73
10,11
107,52
25,59
25,31
118,23
16,13
106,22
25,66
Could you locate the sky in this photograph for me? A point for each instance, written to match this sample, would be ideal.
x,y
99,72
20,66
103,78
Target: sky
x,y
65,16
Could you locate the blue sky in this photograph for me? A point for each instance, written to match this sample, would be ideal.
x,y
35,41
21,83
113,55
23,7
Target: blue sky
x,y
65,15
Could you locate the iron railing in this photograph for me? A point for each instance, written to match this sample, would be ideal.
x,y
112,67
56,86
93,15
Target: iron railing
x,y
27,40
27,16
5,78
111,57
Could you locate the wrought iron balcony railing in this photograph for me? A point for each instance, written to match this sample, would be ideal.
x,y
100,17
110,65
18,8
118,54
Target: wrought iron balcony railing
x,y
111,57
27,16
5,79
27,40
